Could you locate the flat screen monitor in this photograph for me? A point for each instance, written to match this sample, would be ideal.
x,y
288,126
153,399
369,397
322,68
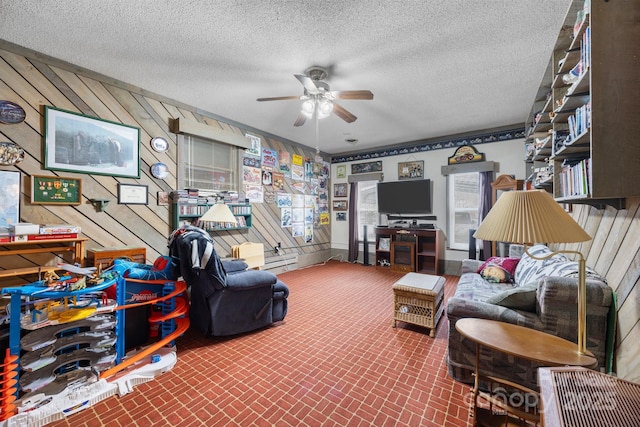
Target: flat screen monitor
x,y
405,197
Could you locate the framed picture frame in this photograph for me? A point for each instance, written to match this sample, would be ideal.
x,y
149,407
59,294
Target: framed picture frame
x,y
411,170
366,167
133,194
55,190
340,205
384,244
340,190
163,198
341,171
10,190
341,216
83,144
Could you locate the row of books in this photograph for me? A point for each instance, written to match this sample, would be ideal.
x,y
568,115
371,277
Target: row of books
x,y
580,122
209,225
200,209
194,196
575,178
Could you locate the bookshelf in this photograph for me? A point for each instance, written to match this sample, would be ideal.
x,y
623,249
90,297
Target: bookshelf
x,y
581,131
190,213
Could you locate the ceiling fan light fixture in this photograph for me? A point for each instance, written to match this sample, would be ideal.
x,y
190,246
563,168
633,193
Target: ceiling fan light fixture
x,y
308,107
325,108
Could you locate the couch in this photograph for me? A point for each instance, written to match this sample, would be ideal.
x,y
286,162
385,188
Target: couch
x,y
538,294
226,298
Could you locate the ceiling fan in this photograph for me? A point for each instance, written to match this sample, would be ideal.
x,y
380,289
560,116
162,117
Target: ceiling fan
x,y
319,100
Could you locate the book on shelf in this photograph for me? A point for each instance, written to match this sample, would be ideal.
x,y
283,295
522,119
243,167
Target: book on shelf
x,y
575,178
59,229
52,236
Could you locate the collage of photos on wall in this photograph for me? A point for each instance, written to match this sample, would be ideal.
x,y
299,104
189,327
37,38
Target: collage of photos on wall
x,y
297,185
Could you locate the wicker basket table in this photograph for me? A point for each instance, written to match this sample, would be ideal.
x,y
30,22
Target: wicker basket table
x,y
417,299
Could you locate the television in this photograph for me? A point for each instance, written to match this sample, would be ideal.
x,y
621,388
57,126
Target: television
x,y
405,197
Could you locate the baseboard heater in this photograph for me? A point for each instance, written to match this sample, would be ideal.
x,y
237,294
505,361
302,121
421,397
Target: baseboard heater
x,y
280,261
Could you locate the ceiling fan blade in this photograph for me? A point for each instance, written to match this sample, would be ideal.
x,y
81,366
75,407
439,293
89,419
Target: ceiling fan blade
x,y
308,84
278,98
352,94
343,114
300,120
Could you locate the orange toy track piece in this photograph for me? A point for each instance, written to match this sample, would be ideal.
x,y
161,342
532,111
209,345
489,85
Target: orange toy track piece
x,y
7,386
182,324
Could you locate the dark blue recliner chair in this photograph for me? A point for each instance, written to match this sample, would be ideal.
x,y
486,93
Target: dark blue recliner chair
x,y
226,298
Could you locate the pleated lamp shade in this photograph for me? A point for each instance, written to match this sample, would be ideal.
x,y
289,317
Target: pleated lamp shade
x,y
528,217
219,213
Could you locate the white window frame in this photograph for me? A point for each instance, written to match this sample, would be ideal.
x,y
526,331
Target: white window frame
x,y
456,213
191,161
367,210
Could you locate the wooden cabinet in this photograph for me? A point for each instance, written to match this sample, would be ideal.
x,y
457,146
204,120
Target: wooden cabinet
x,y
403,256
105,256
410,249
583,124
190,213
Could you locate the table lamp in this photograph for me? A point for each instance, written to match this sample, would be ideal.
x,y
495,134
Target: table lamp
x,y
219,213
529,217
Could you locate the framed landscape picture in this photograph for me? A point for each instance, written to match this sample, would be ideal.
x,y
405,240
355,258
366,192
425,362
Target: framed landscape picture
x,y
340,205
83,144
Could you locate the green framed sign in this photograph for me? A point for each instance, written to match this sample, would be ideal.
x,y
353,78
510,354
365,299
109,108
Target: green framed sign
x,y
55,190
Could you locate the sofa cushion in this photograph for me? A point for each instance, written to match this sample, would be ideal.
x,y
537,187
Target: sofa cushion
x,y
499,270
530,269
519,298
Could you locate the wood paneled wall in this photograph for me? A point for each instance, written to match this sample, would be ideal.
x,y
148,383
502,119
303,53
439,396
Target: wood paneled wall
x,y
33,81
614,252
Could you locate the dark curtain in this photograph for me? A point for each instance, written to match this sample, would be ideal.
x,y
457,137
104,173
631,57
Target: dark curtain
x,y
486,178
353,222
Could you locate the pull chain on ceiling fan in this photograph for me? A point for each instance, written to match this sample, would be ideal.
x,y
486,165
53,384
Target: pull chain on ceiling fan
x,y
319,100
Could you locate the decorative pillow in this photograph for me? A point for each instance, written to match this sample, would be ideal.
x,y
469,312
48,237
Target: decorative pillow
x,y
520,298
530,269
498,270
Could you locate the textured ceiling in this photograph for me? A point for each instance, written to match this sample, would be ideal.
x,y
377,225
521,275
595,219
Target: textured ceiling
x,y
436,68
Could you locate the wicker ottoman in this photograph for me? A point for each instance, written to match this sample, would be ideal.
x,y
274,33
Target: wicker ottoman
x,y
417,299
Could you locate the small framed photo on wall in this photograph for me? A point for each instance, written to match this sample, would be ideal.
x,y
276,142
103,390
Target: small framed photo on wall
x,y
340,205
411,170
340,190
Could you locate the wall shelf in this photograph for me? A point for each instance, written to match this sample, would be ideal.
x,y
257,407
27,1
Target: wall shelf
x,y
190,213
